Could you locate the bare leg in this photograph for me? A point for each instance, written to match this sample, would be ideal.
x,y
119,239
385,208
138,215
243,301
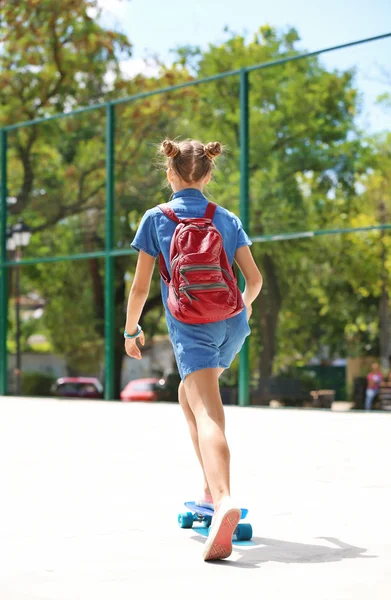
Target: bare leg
x,y
191,422
203,397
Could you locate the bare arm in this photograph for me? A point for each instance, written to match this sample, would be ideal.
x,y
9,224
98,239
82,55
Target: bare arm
x,y
137,298
251,274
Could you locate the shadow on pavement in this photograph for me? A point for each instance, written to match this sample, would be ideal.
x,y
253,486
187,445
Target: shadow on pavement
x,y
270,550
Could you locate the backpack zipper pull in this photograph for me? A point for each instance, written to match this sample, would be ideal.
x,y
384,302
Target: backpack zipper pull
x,y
181,271
190,297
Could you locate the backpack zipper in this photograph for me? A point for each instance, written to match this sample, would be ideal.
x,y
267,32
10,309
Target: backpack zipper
x,y
174,260
199,227
201,286
183,270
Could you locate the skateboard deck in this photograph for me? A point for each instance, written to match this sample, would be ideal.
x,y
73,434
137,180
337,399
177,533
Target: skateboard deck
x,y
203,515
202,510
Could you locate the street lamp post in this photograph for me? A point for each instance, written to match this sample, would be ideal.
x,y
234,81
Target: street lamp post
x,y
18,237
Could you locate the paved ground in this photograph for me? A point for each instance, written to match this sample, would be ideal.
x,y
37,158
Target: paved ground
x,y
80,519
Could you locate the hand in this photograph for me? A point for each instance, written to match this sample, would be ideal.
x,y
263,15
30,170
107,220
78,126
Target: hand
x,y
131,347
249,310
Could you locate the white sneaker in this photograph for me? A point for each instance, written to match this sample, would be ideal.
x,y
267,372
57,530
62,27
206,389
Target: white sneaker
x,y
224,522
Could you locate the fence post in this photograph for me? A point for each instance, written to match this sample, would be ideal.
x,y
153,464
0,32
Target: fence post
x,y
244,371
3,269
109,259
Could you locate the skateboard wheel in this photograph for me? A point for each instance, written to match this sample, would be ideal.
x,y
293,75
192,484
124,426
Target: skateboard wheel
x,y
207,521
244,532
185,520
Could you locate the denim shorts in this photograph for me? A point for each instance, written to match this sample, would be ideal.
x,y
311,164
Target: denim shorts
x,y
209,345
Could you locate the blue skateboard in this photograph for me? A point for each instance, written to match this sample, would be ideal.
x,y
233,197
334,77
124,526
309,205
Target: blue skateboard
x,y
199,514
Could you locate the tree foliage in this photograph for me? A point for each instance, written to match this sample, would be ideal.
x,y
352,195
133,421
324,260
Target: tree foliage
x,y
310,168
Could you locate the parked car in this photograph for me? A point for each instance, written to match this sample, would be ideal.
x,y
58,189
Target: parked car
x,y
78,387
147,390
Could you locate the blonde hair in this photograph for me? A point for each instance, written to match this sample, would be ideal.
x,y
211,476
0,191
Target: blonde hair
x,y
191,160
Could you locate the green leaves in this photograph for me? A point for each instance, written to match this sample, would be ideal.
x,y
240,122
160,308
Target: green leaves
x,y
47,52
306,158
310,168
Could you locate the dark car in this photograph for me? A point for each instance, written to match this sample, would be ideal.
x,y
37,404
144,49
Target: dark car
x,y
78,387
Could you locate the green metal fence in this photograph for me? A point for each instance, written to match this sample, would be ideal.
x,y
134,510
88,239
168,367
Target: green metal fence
x,y
110,250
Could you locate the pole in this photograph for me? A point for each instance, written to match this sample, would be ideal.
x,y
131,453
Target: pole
x,y
3,269
18,367
109,260
244,370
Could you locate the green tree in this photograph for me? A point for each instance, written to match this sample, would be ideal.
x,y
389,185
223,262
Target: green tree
x,y
306,159
369,256
47,52
302,156
57,169
55,57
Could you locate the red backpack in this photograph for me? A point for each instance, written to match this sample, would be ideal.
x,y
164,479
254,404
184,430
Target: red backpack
x,y
203,286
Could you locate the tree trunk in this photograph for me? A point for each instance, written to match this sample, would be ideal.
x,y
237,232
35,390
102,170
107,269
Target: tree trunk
x,y
24,152
119,353
98,293
119,320
120,266
384,297
270,305
384,328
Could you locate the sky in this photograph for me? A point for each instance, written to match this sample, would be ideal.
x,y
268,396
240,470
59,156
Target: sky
x,y
156,26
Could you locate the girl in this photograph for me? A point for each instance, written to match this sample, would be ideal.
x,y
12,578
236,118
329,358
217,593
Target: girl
x,y
202,351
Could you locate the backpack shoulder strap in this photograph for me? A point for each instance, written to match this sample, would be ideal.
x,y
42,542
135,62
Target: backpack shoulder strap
x,y
169,212
210,210
162,263
163,269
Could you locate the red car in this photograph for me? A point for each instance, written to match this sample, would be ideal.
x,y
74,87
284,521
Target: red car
x,y
78,387
146,390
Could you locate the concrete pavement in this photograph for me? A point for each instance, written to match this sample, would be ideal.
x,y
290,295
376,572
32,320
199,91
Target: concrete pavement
x,y
90,493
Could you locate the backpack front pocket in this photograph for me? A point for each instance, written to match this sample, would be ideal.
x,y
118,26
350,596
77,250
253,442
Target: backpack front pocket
x,y
201,287
211,269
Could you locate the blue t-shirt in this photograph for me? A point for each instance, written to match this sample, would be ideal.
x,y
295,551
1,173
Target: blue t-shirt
x,y
156,230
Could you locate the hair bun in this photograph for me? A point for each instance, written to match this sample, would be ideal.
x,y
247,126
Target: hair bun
x,y
170,149
212,150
